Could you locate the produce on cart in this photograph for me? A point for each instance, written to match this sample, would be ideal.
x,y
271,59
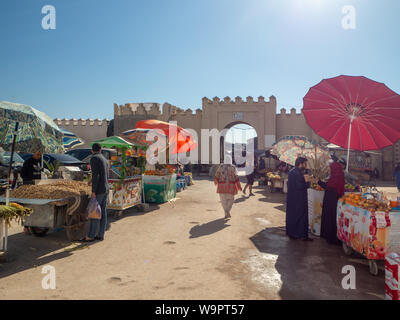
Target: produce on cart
x,y
55,204
363,226
14,212
125,171
275,181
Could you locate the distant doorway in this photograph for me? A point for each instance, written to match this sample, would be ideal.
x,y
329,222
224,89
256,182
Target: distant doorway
x,y
240,136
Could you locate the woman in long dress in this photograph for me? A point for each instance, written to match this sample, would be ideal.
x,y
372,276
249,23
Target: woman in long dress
x,y
228,184
334,189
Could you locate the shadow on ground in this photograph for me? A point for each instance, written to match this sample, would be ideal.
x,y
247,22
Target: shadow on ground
x,y
208,228
28,251
312,270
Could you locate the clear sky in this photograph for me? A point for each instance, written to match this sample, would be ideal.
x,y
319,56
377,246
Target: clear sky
x,y
179,51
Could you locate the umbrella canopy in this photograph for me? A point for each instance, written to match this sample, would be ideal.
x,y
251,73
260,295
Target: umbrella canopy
x,y
36,131
289,148
182,139
137,137
354,113
70,139
113,142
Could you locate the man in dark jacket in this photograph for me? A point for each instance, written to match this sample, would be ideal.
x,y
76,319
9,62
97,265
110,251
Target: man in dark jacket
x,y
297,202
32,168
100,188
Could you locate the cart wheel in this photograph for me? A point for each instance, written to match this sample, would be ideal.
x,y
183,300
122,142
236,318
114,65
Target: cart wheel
x,y
373,267
74,227
347,250
38,232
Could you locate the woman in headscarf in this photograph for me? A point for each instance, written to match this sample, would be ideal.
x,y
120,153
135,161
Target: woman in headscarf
x,y
228,184
334,189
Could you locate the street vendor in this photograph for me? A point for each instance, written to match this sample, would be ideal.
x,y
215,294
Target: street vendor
x,y
32,168
334,189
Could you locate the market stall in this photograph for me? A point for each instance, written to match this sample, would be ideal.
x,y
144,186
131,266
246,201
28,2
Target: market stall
x,y
25,129
365,221
54,204
275,182
159,187
125,175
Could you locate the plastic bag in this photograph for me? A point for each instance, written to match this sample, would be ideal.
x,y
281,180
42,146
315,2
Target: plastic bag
x,y
93,210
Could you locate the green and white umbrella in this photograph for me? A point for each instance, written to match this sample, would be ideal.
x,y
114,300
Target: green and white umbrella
x,y
36,130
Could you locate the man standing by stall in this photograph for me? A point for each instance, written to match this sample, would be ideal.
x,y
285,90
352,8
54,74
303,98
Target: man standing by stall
x,y
100,188
32,168
297,203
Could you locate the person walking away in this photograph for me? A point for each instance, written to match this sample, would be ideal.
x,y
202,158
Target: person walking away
x,y
32,168
100,188
250,179
228,184
296,202
334,189
396,174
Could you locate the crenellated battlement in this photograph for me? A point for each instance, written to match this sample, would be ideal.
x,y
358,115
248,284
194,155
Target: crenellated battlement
x,y
81,122
132,109
292,112
238,100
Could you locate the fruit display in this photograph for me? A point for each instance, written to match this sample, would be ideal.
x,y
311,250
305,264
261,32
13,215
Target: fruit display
x,y
14,212
316,186
59,189
272,175
357,200
160,172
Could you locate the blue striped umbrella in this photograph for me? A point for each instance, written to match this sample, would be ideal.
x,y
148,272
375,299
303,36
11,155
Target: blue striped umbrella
x,y
70,139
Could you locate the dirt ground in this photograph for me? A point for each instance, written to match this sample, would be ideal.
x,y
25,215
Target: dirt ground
x,y
185,250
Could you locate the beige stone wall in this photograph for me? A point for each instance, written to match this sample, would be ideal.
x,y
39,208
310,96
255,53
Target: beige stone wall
x,y
88,130
220,113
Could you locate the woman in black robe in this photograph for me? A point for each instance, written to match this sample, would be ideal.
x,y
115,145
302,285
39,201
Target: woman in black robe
x,y
334,189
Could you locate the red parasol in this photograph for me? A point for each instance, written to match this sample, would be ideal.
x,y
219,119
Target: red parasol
x,y
354,113
181,139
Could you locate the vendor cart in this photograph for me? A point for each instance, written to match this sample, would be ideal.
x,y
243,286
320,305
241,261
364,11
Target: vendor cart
x,y
125,194
365,232
275,184
159,189
68,213
315,202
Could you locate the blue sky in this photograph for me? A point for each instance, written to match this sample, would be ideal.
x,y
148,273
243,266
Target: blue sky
x,y
179,51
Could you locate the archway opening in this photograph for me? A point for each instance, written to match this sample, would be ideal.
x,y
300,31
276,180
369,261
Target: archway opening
x,y
239,140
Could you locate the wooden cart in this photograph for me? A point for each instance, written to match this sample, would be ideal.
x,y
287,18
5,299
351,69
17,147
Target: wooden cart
x,y
67,213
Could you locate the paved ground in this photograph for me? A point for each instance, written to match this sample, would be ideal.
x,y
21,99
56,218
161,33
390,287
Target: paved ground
x,y
185,250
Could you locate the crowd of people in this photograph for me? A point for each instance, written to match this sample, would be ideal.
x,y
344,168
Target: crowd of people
x,y
228,185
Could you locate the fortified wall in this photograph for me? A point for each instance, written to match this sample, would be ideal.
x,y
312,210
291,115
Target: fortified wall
x,y
88,130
